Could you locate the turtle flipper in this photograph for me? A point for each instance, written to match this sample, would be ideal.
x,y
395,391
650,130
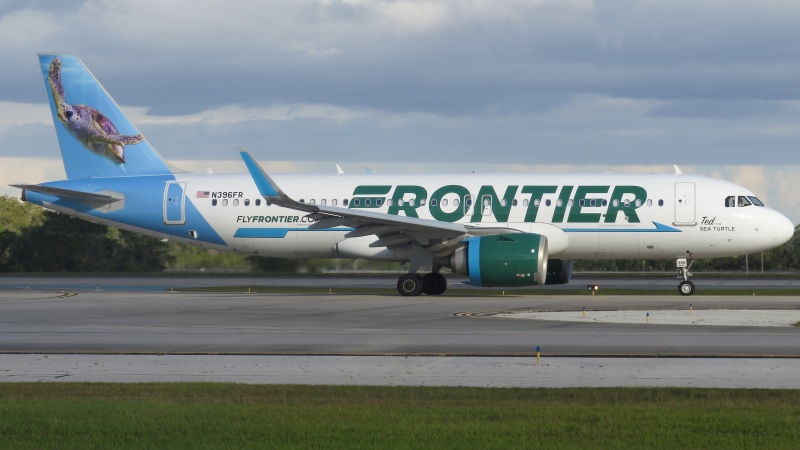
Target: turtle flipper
x,y
57,88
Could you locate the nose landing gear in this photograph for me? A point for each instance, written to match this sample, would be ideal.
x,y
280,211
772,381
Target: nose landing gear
x,y
685,287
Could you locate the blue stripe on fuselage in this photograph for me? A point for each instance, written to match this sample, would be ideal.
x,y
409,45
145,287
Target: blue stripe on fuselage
x,y
660,228
269,233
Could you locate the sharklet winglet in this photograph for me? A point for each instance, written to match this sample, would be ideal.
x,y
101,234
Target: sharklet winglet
x,y
268,188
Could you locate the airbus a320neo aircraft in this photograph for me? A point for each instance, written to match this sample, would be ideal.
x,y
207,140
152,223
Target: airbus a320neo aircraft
x,y
500,230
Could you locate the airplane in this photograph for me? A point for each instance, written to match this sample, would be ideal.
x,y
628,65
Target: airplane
x,y
501,230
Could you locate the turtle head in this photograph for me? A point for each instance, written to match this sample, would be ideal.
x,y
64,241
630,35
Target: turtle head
x,y
70,115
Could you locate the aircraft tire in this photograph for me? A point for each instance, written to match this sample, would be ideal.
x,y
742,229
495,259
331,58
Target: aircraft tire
x,y
434,284
686,288
409,285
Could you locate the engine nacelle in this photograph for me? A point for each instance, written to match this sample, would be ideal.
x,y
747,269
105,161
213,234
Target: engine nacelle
x,y
559,271
503,260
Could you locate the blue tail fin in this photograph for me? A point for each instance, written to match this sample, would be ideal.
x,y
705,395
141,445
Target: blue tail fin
x,y
96,137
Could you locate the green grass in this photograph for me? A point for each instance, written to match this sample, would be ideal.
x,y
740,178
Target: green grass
x,y
194,415
484,292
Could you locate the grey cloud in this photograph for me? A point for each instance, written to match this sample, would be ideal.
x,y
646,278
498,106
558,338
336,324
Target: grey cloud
x,y
724,109
469,64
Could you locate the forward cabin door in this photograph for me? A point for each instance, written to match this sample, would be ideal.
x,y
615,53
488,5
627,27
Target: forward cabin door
x,y
684,204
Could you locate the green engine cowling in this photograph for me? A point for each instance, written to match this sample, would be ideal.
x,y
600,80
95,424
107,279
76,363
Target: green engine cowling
x,y
503,260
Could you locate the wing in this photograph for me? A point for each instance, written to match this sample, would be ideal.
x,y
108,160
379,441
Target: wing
x,y
391,231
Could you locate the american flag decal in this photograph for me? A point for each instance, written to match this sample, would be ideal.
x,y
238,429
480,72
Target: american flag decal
x,y
202,194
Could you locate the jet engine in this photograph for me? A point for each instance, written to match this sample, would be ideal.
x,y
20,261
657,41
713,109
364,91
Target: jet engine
x,y
503,260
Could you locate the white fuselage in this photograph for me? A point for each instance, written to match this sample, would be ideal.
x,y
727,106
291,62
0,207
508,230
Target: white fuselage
x,y
678,216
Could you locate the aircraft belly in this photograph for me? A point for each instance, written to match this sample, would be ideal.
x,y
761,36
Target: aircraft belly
x,y
603,245
278,247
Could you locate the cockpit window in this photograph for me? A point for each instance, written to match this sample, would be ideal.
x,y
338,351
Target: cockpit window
x,y
730,201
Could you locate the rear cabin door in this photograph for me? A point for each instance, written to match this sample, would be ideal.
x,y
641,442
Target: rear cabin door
x,y
174,203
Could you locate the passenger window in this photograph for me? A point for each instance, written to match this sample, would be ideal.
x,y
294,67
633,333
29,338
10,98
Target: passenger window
x,y
345,202
503,203
627,203
323,202
649,202
356,202
378,202
615,202
638,202
730,201
605,202
559,203
258,202
456,202
334,202
367,202
661,203
247,202
444,202
548,202
581,202
312,202
422,202
214,202
236,202
434,202
570,203
224,202
514,202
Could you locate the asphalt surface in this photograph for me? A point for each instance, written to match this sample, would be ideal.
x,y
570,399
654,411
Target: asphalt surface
x,y
59,331
178,322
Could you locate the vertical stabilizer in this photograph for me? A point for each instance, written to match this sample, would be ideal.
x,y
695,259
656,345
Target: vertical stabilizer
x,y
96,138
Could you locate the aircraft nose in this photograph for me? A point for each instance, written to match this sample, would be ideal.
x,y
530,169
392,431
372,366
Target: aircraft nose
x,y
782,229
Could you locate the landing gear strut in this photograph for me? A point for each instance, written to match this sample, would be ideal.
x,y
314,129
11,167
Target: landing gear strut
x,y
411,284
685,287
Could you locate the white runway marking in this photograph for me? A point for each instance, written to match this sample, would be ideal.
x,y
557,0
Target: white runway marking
x,y
721,317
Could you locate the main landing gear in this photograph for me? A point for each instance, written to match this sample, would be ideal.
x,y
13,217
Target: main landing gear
x,y
411,284
685,287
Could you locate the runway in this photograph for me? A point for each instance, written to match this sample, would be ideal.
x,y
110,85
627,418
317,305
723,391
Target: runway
x,y
177,322
454,331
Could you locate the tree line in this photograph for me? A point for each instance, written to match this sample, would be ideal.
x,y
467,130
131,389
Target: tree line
x,y
33,239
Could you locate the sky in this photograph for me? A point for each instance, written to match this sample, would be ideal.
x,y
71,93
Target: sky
x,y
426,86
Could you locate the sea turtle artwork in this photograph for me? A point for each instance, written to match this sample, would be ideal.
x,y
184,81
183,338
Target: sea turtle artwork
x,y
89,126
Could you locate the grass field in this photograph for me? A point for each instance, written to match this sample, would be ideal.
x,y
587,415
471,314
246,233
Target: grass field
x,y
191,415
485,292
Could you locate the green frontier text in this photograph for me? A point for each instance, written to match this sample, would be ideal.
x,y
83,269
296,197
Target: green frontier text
x,y
451,203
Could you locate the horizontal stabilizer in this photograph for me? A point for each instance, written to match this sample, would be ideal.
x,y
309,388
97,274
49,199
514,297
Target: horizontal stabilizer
x,y
92,199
